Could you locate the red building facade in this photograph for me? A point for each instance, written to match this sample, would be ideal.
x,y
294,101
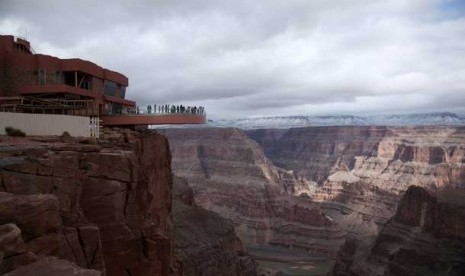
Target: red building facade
x,y
69,86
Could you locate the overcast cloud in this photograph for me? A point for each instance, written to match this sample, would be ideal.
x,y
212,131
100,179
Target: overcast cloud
x,y
258,58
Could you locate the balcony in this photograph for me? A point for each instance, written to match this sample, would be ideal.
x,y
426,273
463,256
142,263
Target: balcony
x,y
56,88
163,115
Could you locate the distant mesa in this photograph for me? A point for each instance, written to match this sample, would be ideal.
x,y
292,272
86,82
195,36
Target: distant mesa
x,y
285,122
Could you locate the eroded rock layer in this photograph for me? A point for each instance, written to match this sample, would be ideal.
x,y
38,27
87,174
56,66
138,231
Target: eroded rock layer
x,y
205,242
425,237
312,187
230,175
102,208
359,173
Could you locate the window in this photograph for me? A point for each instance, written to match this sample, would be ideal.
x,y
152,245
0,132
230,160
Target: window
x,y
123,92
117,108
86,85
58,77
42,76
110,88
113,108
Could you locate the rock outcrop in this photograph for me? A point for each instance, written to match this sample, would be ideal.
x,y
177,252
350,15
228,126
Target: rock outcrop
x,y
106,209
231,176
205,243
425,237
52,267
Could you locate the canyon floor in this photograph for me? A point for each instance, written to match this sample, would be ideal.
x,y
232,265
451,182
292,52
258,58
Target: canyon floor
x,y
273,259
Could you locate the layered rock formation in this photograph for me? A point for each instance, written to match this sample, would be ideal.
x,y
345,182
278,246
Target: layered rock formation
x,y
230,175
52,267
205,243
103,208
313,152
312,187
359,173
425,237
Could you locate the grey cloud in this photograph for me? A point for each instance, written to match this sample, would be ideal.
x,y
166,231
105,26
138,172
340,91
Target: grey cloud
x,y
262,57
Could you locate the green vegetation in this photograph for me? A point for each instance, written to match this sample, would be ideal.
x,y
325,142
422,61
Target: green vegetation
x,y
90,141
14,132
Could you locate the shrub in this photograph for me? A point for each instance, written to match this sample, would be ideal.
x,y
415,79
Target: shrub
x,y
87,166
65,134
14,132
90,141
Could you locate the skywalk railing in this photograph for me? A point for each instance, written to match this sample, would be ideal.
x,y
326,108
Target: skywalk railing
x,y
161,110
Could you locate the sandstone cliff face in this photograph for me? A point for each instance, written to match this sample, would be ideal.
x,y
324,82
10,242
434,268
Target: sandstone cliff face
x,y
312,187
428,156
231,176
313,152
425,237
102,208
205,243
359,173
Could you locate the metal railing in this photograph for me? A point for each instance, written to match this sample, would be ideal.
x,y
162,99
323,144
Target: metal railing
x,y
24,39
162,110
49,106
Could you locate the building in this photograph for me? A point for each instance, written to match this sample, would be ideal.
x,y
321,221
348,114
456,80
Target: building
x,y
40,83
36,83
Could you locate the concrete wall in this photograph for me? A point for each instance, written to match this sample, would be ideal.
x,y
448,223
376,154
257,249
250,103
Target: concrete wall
x,y
48,124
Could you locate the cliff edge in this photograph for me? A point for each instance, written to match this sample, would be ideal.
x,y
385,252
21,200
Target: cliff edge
x,y
70,205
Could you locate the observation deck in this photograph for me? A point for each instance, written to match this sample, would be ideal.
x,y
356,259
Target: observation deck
x,y
167,115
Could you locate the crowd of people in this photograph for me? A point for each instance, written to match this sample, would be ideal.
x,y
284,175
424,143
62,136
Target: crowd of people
x,y
170,109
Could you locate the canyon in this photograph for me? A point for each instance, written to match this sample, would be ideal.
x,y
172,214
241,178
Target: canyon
x,y
230,175
376,200
314,188
363,171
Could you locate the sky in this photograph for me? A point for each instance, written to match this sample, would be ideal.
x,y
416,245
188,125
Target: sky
x,y
247,58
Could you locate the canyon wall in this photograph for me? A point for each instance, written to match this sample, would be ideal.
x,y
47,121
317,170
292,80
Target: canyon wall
x,y
425,237
105,208
358,174
205,242
231,176
312,187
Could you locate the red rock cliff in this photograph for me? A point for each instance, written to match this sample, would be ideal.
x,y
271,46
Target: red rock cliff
x,y
106,209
